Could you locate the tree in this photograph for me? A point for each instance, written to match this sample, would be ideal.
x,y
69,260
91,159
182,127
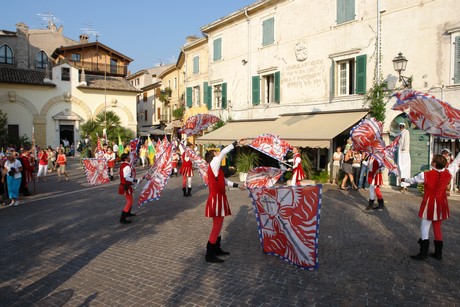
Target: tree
x,y
94,128
179,112
3,128
377,98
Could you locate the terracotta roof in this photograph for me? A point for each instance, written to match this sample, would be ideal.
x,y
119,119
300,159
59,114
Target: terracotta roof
x,y
113,83
23,76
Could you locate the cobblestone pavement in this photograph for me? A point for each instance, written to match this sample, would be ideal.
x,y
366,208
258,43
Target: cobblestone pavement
x,y
64,246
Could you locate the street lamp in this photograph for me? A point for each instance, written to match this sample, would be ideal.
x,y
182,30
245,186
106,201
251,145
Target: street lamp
x,y
399,64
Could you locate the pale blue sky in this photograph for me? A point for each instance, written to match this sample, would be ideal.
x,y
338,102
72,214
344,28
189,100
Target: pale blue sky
x,y
147,31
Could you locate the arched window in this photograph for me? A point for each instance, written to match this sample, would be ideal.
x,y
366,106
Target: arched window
x,y
6,55
41,60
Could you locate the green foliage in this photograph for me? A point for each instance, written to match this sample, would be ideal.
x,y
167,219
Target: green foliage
x,y
306,165
94,128
3,127
322,176
178,113
246,160
377,98
217,125
421,188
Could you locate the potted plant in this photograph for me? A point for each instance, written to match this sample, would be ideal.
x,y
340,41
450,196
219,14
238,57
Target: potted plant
x,y
245,161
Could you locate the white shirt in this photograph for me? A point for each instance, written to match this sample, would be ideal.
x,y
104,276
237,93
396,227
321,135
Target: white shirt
x,y
16,164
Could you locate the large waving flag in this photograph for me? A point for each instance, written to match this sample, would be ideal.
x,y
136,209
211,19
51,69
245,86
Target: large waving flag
x,y
198,162
197,123
271,145
151,150
288,220
121,149
367,136
429,113
157,176
97,170
263,176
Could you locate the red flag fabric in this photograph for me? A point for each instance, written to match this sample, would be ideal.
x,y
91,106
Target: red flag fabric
x,y
196,124
288,220
367,136
271,145
263,176
157,176
429,114
97,171
198,162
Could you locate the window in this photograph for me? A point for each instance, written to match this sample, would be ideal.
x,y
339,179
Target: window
x,y
196,65
268,31
351,76
175,83
266,88
217,49
457,60
196,95
41,61
145,115
65,74
76,57
113,66
345,11
13,132
144,98
6,55
217,90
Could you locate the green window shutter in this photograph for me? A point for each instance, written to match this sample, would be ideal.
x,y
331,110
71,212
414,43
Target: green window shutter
x,y
217,54
457,60
224,95
332,79
206,99
189,97
268,31
277,87
210,97
341,11
255,90
350,10
361,62
196,64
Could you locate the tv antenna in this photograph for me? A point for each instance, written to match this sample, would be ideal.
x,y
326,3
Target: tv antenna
x,y
50,19
90,31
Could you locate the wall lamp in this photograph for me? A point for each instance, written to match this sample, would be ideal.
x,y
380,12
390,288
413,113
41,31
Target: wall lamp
x,y
399,64
244,61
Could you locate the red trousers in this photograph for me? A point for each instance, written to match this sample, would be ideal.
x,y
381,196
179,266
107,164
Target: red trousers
x,y
217,222
129,202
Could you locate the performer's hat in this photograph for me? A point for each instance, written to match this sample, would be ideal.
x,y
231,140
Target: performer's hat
x,y
446,150
402,124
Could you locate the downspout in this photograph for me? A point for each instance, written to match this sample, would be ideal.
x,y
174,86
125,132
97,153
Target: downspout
x,y
248,93
377,70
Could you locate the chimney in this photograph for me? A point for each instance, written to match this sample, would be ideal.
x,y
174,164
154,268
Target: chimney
x,y
84,39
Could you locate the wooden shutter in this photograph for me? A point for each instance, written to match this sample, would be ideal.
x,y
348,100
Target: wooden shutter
x,y
350,10
332,79
255,90
341,11
277,87
196,64
189,94
205,94
224,95
457,60
217,50
361,62
268,31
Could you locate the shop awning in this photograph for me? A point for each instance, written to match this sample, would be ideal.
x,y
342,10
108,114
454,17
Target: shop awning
x,y
314,129
233,131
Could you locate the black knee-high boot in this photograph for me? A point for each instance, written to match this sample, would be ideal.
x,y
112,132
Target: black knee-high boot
x,y
423,254
123,219
211,254
219,251
371,204
437,250
129,213
381,203
189,190
185,191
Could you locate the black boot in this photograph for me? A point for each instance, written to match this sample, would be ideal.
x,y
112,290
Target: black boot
x,y
211,254
381,204
219,251
370,205
437,250
130,214
423,254
185,191
123,219
189,190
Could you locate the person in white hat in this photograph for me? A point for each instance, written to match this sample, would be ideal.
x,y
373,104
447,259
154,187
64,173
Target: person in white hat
x,y
404,162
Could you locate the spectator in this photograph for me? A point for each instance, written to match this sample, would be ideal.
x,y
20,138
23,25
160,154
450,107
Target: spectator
x,y
337,158
404,161
13,169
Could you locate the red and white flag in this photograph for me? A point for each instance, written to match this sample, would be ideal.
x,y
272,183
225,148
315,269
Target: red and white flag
x,y
196,124
263,177
97,170
271,145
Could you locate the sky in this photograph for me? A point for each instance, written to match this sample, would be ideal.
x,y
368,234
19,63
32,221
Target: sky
x,y
148,31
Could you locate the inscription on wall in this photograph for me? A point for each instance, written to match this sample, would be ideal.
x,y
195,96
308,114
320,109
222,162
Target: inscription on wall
x,y
304,74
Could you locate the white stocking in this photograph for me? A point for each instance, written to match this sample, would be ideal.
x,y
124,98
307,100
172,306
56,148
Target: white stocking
x,y
425,229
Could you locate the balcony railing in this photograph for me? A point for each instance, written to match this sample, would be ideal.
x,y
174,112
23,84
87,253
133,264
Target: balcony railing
x,y
100,68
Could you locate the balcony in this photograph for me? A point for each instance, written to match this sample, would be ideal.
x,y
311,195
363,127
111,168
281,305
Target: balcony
x,y
100,68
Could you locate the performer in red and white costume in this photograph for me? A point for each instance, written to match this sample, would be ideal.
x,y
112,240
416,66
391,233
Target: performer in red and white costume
x,y
126,187
175,162
110,157
186,170
434,207
217,205
297,171
375,180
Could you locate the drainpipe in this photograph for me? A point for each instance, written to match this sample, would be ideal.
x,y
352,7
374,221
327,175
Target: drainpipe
x,y
377,70
248,92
